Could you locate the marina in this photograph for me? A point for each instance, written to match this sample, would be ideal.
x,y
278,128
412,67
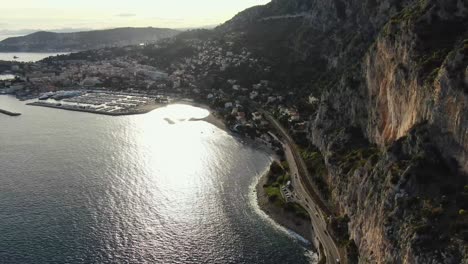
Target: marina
x,y
174,190
100,102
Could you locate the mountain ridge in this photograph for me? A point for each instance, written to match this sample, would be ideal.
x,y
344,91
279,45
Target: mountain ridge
x,y
45,41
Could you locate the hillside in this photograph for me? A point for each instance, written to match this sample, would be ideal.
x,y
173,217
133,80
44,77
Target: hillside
x,y
50,41
392,124
390,131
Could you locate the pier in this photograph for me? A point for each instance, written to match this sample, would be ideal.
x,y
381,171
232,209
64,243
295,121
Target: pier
x,y
101,102
92,111
9,113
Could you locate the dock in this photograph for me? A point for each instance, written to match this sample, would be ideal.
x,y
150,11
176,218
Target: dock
x,y
92,111
9,113
101,102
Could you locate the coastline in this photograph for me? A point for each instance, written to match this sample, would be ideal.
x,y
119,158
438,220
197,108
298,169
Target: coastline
x,y
256,225
212,118
288,220
297,227
137,111
300,228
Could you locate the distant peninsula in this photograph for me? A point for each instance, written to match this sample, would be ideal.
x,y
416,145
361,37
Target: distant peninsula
x,y
44,41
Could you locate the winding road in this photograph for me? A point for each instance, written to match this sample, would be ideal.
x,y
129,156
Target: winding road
x,y
307,195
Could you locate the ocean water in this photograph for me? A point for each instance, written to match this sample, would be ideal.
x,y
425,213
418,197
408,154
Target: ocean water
x,y
6,77
27,56
84,188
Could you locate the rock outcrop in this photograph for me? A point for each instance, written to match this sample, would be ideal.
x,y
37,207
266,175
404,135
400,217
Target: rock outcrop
x,y
393,120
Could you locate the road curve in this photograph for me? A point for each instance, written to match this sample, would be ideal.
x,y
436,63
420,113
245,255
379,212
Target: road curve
x,y
306,194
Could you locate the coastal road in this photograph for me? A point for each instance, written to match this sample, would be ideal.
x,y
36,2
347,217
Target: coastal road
x,y
307,195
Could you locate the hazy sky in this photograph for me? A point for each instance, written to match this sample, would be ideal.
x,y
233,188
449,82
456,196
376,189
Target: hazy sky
x,y
59,14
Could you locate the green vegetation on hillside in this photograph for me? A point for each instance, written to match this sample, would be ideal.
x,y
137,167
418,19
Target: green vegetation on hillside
x,y
277,178
317,169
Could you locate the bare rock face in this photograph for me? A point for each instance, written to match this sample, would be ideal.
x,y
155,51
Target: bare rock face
x,y
415,72
392,124
409,98
450,112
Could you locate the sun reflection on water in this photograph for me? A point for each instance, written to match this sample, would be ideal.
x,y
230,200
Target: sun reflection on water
x,y
177,160
130,189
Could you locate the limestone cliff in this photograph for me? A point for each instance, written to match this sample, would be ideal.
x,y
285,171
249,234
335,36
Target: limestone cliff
x,y
393,120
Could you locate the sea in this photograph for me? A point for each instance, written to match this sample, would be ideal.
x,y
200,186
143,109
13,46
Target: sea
x,y
27,56
153,188
4,77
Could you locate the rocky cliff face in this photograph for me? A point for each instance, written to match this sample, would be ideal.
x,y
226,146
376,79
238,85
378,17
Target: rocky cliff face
x,y
416,71
393,120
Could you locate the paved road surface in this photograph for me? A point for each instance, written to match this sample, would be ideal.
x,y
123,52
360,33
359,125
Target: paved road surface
x,y
306,194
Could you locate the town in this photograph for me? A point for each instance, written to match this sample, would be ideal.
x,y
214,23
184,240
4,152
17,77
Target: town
x,y
123,81
134,80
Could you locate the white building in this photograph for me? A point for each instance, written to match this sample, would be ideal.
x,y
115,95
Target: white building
x,y
253,95
312,99
256,116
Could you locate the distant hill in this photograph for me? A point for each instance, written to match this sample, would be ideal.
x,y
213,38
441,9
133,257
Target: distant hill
x,y
50,41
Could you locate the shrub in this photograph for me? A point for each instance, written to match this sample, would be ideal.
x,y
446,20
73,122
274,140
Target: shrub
x,y
276,168
352,252
272,197
394,179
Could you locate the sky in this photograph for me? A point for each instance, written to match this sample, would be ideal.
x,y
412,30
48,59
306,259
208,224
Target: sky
x,y
22,16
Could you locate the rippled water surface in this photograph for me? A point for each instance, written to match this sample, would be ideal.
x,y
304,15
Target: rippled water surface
x,y
84,188
27,56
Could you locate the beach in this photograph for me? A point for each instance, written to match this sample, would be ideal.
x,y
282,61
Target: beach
x,y
282,217
175,188
213,118
286,219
